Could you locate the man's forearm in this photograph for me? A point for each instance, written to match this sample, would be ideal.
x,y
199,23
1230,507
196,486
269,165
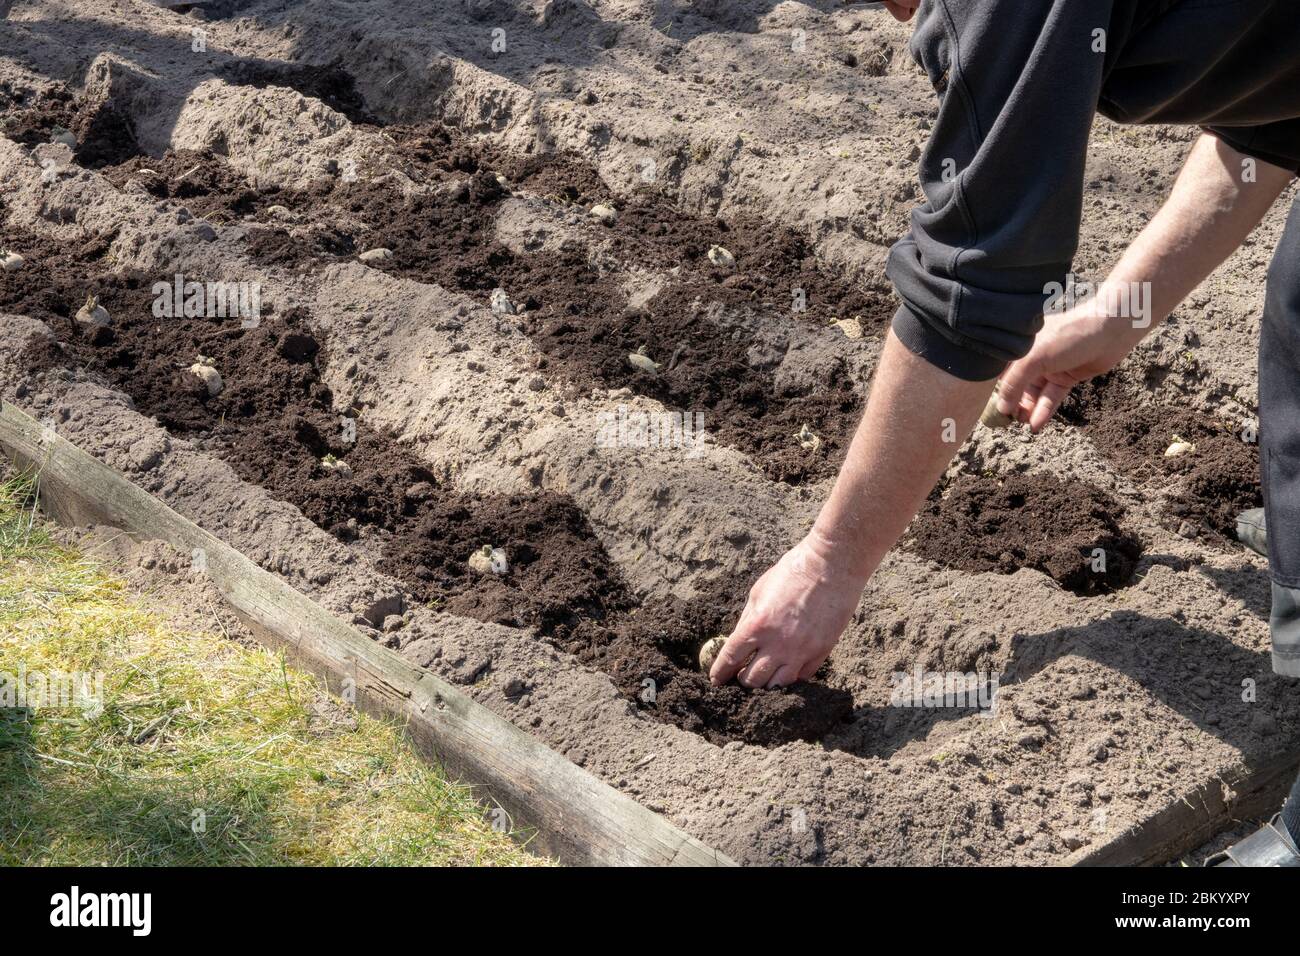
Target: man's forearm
x,y
1209,213
917,417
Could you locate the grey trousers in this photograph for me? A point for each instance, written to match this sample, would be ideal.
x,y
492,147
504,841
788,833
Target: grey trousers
x,y
1279,414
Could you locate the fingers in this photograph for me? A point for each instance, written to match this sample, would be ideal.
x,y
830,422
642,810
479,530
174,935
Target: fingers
x,y
744,658
758,671
784,677
902,9
812,667
1048,401
1015,381
1028,401
739,648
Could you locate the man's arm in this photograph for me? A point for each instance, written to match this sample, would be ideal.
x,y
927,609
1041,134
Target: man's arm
x,y
1212,209
800,607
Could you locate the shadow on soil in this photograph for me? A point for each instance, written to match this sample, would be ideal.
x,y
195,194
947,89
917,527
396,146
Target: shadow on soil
x,y
1196,672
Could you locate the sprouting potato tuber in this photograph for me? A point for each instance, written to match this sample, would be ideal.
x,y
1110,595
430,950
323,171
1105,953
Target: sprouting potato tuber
x,y
1179,447
501,303
11,261
808,439
991,417
710,651
639,360
721,258
376,255
209,376
92,314
606,214
489,560
334,466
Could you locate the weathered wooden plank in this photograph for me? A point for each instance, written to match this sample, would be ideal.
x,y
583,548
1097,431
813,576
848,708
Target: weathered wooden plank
x,y
1248,792
577,817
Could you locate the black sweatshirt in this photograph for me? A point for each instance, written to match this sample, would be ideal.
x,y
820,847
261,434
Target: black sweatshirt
x,y
1020,82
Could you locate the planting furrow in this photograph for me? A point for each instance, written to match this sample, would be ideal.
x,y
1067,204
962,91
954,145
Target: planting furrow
x,y
277,425
1204,470
1068,530
578,311
489,424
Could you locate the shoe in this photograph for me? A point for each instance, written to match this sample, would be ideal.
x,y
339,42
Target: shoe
x,y
1270,845
1252,532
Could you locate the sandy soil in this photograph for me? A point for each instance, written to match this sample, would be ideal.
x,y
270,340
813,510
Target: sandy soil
x,y
1113,702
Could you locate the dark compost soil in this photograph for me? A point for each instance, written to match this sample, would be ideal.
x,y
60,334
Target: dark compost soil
x,y
981,523
699,327
275,421
1205,490
104,135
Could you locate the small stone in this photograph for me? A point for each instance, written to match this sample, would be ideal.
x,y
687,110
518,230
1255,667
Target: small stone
x,y
721,257
380,608
1072,839
376,255
11,261
64,137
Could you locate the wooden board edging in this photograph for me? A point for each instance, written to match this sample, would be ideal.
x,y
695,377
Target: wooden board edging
x,y
578,818
1249,792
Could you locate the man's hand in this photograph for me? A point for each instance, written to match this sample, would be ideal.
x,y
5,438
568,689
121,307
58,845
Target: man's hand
x,y
917,416
795,615
903,10
1073,347
1209,213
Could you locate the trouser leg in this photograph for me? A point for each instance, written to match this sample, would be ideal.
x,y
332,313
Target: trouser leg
x,y
1279,404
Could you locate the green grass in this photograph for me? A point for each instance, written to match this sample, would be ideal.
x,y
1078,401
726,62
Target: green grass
x,y
199,750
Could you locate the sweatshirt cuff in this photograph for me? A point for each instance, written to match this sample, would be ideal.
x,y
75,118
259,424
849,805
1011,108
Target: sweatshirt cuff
x,y
940,351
